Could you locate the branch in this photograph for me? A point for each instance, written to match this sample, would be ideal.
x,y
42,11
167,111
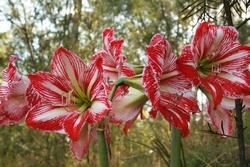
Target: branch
x,y
219,134
243,23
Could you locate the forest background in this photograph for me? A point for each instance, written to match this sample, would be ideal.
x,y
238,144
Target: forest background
x,y
33,29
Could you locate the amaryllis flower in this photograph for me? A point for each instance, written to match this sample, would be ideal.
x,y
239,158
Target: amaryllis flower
x,y
168,90
216,62
73,99
114,64
13,102
128,102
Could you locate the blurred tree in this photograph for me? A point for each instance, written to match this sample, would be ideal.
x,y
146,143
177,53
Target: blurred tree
x,y
40,26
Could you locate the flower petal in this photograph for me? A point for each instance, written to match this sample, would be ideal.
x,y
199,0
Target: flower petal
x,y
127,108
13,104
114,64
112,46
91,80
175,82
176,110
212,86
174,114
187,64
234,85
99,108
151,85
51,88
160,54
203,39
47,117
4,120
81,146
221,119
74,123
15,108
227,103
32,96
67,65
107,37
13,82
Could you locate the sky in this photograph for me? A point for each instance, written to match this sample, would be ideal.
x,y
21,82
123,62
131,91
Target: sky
x,y
5,25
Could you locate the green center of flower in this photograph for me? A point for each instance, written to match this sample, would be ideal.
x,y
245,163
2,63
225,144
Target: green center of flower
x,y
82,103
205,66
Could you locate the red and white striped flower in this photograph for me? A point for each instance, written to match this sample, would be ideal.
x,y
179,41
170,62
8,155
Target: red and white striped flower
x,y
114,62
168,90
128,102
73,99
217,63
13,102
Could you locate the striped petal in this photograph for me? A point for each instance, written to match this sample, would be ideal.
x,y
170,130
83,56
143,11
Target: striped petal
x,y
13,104
126,109
234,85
175,82
221,119
67,65
203,39
223,42
112,46
151,85
91,79
15,108
160,54
51,88
33,97
81,146
214,41
212,88
74,123
114,64
107,37
227,103
13,82
187,64
47,118
99,108
175,110
235,58
4,120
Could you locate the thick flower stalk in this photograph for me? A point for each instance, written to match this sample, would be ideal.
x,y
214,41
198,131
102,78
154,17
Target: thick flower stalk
x,y
13,102
168,90
74,99
217,63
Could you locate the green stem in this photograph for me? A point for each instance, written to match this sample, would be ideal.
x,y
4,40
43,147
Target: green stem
x,y
134,82
102,143
175,157
103,149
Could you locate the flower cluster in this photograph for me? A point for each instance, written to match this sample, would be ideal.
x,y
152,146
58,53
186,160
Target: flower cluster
x,y
74,97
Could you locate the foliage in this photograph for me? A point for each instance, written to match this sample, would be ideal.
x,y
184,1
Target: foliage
x,y
38,27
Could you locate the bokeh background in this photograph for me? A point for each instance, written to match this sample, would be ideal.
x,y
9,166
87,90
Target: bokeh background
x,y
33,29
